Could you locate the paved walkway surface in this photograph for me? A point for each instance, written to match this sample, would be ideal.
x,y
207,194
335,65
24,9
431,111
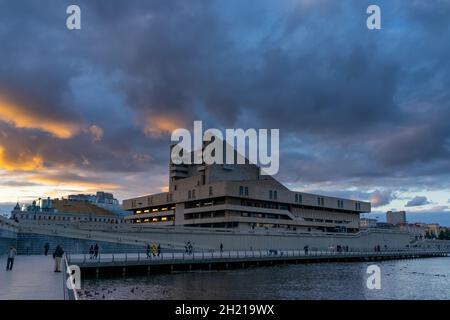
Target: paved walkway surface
x,y
32,278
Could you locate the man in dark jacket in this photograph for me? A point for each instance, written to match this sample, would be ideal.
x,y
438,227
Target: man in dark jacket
x,y
57,255
46,248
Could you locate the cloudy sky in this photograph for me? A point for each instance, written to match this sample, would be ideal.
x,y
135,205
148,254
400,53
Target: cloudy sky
x,y
362,113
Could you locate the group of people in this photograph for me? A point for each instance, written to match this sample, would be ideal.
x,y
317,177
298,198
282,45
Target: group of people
x,y
154,249
93,251
188,248
57,256
342,248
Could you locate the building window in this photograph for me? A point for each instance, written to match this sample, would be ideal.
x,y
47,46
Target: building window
x,y
320,201
296,197
210,191
275,195
203,179
175,187
241,190
246,191
340,204
189,194
193,194
270,194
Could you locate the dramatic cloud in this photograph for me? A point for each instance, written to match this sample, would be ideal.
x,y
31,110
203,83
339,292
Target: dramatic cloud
x,y
417,201
357,109
381,197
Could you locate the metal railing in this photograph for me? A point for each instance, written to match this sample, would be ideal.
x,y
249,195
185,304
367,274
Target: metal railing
x,y
241,254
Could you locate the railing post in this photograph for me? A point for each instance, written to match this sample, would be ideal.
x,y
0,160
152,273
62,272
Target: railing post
x,y
139,256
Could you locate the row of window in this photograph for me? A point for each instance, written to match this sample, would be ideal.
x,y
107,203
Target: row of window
x,y
156,219
64,218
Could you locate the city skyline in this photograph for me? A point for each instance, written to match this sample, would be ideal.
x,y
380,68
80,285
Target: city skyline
x,y
362,113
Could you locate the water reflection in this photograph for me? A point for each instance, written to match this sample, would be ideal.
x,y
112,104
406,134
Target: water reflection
x,y
402,279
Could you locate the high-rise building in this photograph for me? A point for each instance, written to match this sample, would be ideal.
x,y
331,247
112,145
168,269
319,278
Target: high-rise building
x,y
396,217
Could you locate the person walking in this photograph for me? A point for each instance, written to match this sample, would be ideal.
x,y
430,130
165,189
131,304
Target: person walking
x,y
11,256
221,248
154,250
46,248
96,250
159,250
148,250
57,255
91,252
306,248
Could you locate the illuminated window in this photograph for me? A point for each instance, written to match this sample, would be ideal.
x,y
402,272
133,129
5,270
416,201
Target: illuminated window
x,y
164,219
146,211
164,209
139,211
146,220
154,210
155,219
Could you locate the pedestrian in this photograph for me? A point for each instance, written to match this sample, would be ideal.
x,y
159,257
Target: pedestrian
x,y
96,250
221,247
46,248
91,252
186,248
190,247
57,255
306,250
11,256
154,250
159,250
148,250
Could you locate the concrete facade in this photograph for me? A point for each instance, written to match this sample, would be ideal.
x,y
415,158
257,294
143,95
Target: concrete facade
x,y
239,197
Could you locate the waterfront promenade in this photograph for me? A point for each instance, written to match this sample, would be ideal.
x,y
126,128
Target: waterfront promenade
x,y
32,278
180,261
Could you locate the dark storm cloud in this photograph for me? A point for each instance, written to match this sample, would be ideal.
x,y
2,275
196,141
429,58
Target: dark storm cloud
x,y
417,201
354,106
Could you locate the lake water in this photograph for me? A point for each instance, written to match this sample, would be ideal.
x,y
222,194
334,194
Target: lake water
x,y
400,279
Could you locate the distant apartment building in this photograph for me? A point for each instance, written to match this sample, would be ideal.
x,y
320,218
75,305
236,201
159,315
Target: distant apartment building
x,y
102,207
396,217
433,229
417,229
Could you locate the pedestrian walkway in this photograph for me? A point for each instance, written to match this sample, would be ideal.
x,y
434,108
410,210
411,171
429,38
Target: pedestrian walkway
x,y
32,278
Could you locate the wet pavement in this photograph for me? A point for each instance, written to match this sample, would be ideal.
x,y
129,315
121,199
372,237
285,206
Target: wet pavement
x,y
32,278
